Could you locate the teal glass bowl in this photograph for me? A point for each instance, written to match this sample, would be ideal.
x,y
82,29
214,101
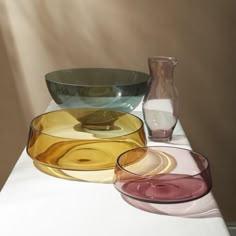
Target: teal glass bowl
x,y
115,89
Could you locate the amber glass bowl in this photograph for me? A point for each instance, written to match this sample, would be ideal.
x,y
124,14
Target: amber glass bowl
x,y
83,144
162,175
109,88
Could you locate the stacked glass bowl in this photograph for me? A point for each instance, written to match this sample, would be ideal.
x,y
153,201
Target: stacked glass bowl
x,y
93,137
82,140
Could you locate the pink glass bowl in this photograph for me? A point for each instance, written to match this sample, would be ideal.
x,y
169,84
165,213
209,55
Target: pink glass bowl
x,y
162,174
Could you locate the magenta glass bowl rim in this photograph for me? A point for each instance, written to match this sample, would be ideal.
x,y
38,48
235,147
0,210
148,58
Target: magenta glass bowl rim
x,y
171,147
32,126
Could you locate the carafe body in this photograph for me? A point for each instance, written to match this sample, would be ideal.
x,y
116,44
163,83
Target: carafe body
x,y
160,104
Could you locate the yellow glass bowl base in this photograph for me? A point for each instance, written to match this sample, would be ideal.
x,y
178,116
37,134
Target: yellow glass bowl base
x,y
97,176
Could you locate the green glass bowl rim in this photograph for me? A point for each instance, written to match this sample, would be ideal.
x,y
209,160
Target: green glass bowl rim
x,y
49,79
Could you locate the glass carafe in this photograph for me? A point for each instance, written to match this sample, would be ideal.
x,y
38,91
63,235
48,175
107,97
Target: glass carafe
x,y
160,104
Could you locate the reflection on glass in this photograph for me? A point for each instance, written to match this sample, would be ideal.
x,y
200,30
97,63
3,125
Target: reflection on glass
x,y
162,175
75,142
160,105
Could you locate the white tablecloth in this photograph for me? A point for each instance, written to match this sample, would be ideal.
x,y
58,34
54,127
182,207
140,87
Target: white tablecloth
x,y
35,204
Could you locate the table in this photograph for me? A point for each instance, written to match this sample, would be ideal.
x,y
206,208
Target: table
x,y
35,204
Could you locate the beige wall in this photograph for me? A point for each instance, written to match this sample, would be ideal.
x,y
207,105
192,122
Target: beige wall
x,y
40,36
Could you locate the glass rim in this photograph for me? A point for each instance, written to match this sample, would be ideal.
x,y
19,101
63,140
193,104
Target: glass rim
x,y
32,127
163,59
207,168
90,69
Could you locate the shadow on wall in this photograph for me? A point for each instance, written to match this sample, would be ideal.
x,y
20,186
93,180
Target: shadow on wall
x,y
43,36
13,126
24,58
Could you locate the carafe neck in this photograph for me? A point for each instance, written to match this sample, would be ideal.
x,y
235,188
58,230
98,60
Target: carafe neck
x,y
162,68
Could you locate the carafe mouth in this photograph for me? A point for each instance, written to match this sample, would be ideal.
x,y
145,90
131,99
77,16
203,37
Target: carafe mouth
x,y
163,59
162,67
